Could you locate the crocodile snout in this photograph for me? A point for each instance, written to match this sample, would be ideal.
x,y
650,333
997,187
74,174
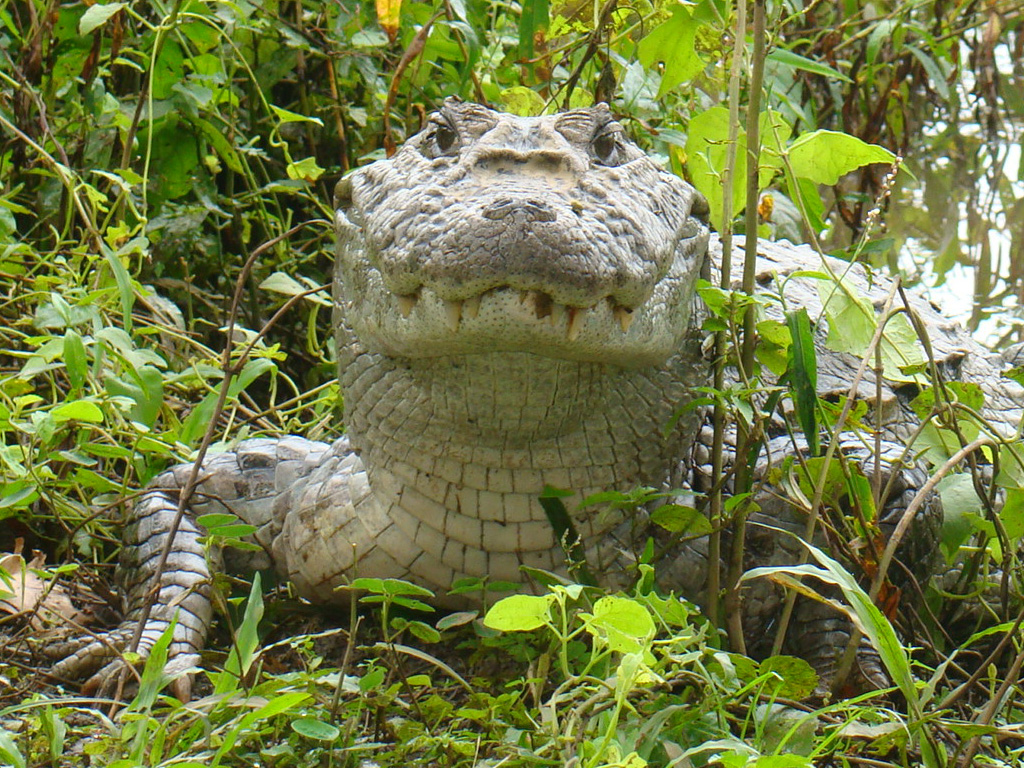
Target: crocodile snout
x,y
529,210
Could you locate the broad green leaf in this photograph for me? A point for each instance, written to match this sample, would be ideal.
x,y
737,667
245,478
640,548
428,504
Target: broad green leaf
x,y
824,156
376,586
841,480
9,750
399,587
1012,514
146,388
251,371
169,70
424,632
959,502
966,392
707,148
519,613
623,623
671,43
286,116
19,498
78,410
677,518
520,100
175,157
96,16
798,679
305,170
851,326
216,518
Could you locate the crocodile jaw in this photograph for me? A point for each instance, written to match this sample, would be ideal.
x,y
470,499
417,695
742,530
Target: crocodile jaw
x,y
519,243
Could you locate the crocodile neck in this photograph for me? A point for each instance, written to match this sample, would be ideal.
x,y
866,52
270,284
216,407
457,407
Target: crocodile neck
x,y
461,448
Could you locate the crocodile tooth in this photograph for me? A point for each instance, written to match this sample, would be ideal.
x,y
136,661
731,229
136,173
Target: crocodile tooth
x,y
625,317
524,296
557,315
471,307
542,304
575,322
453,313
406,303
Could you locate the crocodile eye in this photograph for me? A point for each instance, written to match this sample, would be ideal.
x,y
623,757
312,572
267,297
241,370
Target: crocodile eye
x,y
606,148
445,137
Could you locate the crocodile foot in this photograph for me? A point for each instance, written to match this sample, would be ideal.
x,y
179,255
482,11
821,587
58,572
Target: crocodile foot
x,y
104,661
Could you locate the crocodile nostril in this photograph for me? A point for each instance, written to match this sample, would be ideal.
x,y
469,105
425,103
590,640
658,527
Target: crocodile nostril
x,y
530,210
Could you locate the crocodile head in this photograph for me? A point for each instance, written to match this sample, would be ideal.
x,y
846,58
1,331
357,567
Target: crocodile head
x,y
489,232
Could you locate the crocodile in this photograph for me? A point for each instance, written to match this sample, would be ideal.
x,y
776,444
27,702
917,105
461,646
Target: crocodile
x,y
516,309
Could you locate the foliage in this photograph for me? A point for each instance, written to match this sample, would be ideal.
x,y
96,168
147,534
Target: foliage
x,y
149,147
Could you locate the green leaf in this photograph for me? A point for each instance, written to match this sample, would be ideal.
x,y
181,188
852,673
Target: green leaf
x,y
533,19
1012,514
671,43
169,70
285,116
868,618
376,586
221,146
802,373
796,61
519,613
824,156
283,283
124,288
9,750
305,170
424,632
78,410
458,619
75,360
881,33
677,518
317,730
275,706
96,16
851,326
623,623
959,502
523,101
243,651
707,147
146,389
798,678
19,498
936,77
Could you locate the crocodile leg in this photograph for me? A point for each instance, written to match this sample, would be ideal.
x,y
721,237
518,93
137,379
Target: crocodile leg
x,y
245,482
818,632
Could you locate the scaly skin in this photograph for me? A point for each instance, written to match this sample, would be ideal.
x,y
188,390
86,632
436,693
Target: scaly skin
x,y
515,308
